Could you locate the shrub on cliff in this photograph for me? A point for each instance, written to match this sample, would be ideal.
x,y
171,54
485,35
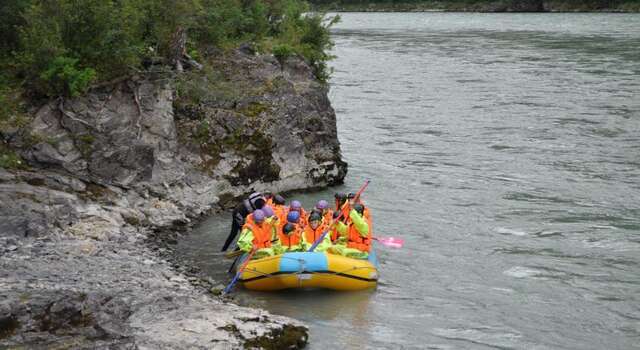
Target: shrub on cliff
x,y
63,41
64,78
58,47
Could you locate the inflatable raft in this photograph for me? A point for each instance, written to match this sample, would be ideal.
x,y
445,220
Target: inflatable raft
x,y
309,270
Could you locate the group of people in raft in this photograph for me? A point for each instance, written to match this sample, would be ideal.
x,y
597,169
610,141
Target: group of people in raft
x,y
273,228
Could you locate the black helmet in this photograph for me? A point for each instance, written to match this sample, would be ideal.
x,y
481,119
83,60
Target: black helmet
x,y
359,208
288,228
278,199
340,196
315,216
259,203
351,195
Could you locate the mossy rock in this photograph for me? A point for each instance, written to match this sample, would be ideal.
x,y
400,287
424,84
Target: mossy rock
x,y
84,143
255,109
287,337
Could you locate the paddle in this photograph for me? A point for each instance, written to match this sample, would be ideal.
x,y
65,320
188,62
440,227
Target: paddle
x,y
342,213
233,254
392,242
240,271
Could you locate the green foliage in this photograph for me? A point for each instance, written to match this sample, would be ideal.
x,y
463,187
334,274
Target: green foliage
x,y
62,77
9,159
58,47
315,43
10,20
13,110
283,51
102,36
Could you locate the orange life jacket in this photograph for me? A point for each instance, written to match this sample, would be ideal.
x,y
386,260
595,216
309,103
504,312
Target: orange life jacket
x,y
249,219
327,216
261,234
292,239
355,240
280,211
312,235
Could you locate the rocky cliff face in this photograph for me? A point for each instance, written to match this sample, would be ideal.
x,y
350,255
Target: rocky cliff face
x,y
141,155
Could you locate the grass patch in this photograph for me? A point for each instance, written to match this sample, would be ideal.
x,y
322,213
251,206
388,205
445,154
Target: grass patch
x,y
10,160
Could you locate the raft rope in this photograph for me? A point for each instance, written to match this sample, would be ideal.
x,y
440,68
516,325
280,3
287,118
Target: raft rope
x,y
343,273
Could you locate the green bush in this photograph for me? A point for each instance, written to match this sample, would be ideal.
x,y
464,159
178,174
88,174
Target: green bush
x,y
62,77
316,43
9,159
58,47
10,20
103,35
283,51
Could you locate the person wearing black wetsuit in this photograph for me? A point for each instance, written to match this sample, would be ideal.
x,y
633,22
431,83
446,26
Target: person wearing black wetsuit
x,y
255,201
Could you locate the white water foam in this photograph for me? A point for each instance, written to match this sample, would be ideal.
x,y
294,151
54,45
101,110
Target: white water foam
x,y
521,272
508,231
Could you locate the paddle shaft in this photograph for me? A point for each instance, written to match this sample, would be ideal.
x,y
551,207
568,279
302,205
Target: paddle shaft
x,y
240,271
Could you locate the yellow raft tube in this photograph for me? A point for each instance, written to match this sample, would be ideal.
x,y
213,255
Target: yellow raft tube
x,y
310,270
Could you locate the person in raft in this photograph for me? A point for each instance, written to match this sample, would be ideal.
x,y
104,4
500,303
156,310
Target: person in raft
x,y
290,236
297,207
355,239
259,234
314,230
279,207
323,207
238,217
341,201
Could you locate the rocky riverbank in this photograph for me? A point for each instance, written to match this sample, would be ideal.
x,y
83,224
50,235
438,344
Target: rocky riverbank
x,y
137,161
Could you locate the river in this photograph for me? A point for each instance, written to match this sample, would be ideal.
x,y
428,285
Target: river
x,y
505,149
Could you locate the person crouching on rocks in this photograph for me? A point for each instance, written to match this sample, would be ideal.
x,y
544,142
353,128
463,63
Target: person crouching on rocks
x,y
258,234
290,237
255,201
314,230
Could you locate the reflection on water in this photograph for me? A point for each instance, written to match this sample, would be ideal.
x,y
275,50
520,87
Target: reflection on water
x,y
505,149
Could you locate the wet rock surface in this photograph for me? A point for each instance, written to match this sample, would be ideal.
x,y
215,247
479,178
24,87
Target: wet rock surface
x,y
116,176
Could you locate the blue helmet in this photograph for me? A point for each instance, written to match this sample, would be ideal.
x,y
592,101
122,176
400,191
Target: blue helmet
x,y
293,216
